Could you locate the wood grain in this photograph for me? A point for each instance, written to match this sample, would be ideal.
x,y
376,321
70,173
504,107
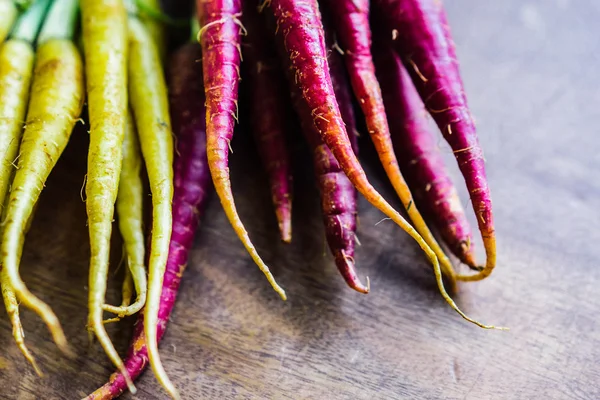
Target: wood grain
x,y
530,70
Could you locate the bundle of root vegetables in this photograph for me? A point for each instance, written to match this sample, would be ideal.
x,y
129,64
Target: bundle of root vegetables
x,y
166,114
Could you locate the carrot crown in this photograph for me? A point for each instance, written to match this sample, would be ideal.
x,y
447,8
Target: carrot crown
x,y
60,22
28,24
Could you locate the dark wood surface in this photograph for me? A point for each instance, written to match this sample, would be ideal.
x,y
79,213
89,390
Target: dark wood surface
x,y
531,72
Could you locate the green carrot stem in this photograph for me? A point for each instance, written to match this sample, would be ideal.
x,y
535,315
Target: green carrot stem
x,y
28,24
61,21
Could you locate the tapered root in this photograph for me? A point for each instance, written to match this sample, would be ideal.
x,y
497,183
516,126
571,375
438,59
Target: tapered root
x,y
489,243
346,267
97,327
47,315
12,310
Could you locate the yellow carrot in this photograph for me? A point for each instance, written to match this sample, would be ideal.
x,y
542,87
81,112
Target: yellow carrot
x,y
8,13
16,67
130,212
55,104
105,47
149,103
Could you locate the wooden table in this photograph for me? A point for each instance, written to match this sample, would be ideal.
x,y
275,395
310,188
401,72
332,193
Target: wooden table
x,y
531,71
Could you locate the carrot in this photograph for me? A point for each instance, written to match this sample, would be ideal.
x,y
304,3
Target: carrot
x,y
301,31
130,199
192,186
149,103
351,22
338,195
55,104
16,65
220,39
104,30
268,113
423,41
421,160
8,14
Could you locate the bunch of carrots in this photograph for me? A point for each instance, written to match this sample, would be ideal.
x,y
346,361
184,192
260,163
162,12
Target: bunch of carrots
x,y
168,117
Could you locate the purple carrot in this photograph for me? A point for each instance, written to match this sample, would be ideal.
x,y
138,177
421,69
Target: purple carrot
x,y
348,22
338,195
339,201
419,157
219,36
192,186
268,112
422,38
300,31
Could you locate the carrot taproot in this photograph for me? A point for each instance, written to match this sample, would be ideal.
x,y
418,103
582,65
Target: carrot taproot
x,y
130,202
420,158
8,14
349,19
219,36
56,100
16,68
268,113
192,187
300,31
422,38
149,104
338,196
104,30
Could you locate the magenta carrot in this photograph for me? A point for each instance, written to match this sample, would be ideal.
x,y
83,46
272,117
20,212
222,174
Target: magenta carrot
x,y
220,39
268,113
338,195
192,186
350,18
422,38
300,29
420,159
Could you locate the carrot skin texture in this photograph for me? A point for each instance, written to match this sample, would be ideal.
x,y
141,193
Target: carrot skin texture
x,y
422,42
268,113
8,14
16,68
56,100
420,158
150,106
192,187
352,30
104,31
220,39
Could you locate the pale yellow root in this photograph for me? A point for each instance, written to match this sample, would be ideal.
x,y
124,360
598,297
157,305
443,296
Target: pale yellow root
x,y
149,103
54,108
104,31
